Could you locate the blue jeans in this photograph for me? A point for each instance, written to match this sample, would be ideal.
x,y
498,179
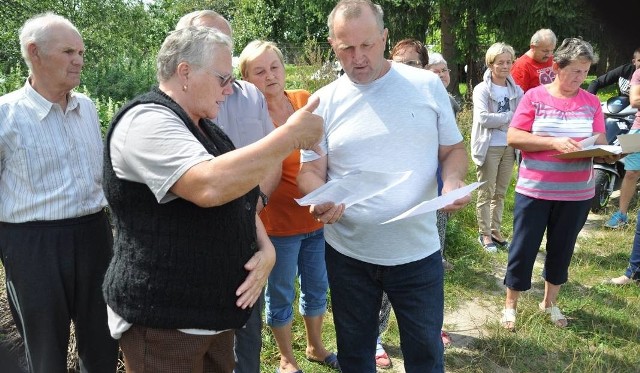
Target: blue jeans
x,y
416,293
248,341
301,255
633,270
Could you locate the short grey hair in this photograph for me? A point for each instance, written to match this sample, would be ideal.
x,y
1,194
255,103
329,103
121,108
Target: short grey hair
x,y
194,45
37,30
543,35
191,18
353,9
573,49
436,58
497,49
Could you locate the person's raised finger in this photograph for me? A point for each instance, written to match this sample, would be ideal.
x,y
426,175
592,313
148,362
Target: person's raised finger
x,y
311,105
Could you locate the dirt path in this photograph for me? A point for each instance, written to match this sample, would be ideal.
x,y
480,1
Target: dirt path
x,y
466,324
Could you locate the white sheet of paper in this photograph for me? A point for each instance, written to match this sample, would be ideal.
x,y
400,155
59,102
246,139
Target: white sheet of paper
x,y
630,143
354,187
589,141
437,203
615,149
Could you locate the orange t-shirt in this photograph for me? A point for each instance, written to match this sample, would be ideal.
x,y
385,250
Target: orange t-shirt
x,y
283,216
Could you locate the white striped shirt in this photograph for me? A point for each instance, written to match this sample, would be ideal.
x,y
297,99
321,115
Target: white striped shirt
x,y
50,160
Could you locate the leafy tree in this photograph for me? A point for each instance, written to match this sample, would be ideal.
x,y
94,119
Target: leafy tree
x,y
252,19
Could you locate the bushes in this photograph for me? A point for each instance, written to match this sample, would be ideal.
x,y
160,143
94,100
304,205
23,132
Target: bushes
x,y
120,78
14,79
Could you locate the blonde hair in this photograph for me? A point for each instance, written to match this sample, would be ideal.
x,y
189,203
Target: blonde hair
x,y
252,51
497,49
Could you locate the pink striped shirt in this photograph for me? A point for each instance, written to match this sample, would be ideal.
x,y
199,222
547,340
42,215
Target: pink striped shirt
x,y
541,175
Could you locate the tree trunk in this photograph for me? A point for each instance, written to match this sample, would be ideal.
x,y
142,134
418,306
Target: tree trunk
x,y
474,67
449,48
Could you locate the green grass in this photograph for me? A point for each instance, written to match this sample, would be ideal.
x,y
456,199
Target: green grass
x,y
604,330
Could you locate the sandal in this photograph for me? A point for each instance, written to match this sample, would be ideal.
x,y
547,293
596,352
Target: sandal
x,y
330,361
508,320
488,247
446,339
557,318
382,359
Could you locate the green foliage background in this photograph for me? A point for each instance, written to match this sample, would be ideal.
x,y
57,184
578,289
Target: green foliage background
x,y
122,36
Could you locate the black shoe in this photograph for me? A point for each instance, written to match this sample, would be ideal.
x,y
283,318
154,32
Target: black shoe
x,y
504,243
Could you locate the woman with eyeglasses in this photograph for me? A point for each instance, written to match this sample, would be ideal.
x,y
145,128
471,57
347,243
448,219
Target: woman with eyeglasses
x,y
190,254
410,52
494,101
552,194
438,65
297,237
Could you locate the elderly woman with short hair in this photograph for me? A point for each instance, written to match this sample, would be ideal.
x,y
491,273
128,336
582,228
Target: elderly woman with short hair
x,y
438,65
494,101
552,194
190,254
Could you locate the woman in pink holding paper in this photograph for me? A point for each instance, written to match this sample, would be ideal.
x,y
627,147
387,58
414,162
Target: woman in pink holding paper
x,y
552,194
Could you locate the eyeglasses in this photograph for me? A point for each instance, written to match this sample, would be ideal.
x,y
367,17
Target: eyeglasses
x,y
440,72
224,79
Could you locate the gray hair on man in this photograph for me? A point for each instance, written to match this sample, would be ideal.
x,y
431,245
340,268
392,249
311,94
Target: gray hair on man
x,y
573,49
353,9
37,30
543,35
193,45
191,19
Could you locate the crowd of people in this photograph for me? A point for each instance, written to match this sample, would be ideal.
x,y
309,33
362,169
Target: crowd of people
x,y
201,176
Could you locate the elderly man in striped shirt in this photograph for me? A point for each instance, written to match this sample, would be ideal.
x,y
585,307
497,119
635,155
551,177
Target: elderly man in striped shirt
x,y
55,239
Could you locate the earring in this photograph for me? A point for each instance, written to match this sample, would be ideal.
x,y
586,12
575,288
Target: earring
x,y
184,88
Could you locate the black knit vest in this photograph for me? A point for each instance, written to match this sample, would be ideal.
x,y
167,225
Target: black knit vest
x,y
177,265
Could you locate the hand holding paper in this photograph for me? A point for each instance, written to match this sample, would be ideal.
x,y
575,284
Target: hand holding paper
x,y
437,203
354,187
449,186
589,150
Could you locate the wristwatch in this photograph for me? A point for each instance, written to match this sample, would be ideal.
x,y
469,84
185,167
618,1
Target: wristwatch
x,y
264,198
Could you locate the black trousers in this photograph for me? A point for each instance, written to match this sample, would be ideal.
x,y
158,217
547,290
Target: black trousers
x,y
54,272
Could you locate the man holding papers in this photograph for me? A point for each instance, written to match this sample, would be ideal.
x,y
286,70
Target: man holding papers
x,y
385,117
